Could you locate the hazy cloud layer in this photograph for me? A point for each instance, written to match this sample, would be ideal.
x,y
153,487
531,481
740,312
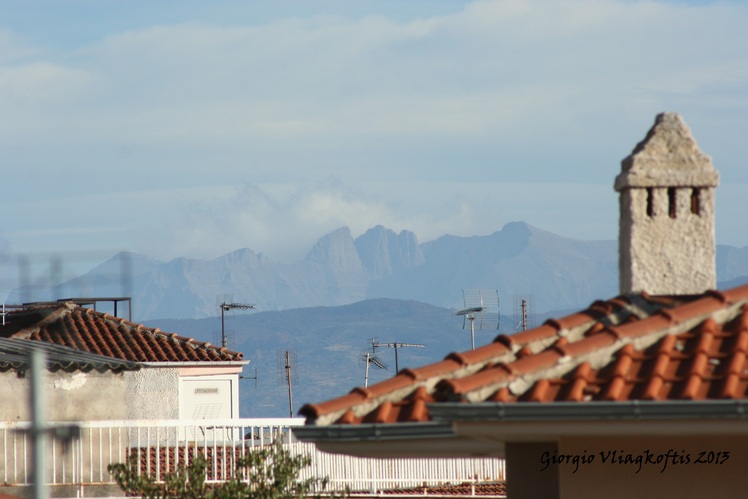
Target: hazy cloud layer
x,y
190,134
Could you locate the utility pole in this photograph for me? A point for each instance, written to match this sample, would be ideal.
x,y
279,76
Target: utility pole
x,y
288,378
366,374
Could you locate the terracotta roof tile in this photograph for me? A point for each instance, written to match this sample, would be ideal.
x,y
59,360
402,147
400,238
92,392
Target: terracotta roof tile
x,y
466,384
86,330
349,418
14,354
415,411
637,347
442,368
482,354
517,341
486,489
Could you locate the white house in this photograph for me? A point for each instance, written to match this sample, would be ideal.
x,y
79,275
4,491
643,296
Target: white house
x,y
176,378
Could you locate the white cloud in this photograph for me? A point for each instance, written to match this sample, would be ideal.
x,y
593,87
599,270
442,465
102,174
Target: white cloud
x,y
35,99
497,67
283,221
422,121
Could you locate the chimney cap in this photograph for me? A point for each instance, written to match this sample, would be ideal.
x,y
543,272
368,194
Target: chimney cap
x,y
667,157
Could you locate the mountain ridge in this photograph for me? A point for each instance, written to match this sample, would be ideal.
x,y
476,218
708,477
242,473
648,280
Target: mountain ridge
x,y
519,259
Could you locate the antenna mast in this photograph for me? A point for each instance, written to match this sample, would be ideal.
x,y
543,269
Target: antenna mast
x,y
255,377
481,305
372,358
228,304
288,373
523,312
288,378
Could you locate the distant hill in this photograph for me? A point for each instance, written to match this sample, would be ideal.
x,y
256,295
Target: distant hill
x,y
328,345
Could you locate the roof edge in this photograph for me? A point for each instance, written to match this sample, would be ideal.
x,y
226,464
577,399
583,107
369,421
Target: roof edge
x,y
598,410
373,432
195,363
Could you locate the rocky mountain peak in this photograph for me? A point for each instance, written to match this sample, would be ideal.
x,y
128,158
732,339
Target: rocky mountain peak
x,y
385,253
336,249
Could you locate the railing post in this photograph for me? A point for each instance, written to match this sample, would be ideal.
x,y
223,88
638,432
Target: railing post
x,y
372,478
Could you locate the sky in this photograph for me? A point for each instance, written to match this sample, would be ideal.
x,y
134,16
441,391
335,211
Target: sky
x,y
192,128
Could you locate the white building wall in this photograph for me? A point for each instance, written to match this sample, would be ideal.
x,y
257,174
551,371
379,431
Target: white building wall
x,y
208,397
208,392
156,392
72,396
153,393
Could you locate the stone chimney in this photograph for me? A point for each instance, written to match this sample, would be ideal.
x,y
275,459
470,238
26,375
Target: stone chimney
x,y
666,234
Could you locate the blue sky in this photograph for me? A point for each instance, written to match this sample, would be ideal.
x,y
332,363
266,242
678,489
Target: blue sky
x,y
195,128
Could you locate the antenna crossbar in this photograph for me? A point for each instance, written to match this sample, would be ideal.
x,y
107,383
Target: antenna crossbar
x,y
225,307
396,345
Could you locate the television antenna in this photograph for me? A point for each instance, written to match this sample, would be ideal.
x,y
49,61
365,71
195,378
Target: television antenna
x,y
524,312
372,358
255,377
481,305
395,345
226,303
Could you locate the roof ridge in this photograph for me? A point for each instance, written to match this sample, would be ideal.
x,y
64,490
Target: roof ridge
x,y
54,315
141,328
634,333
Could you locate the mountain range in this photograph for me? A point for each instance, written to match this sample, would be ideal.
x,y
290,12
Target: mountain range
x,y
350,293
519,260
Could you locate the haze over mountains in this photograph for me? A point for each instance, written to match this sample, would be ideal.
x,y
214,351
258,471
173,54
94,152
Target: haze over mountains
x,y
560,273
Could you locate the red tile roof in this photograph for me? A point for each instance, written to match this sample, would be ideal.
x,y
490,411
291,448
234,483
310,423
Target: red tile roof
x,y
636,347
89,331
15,355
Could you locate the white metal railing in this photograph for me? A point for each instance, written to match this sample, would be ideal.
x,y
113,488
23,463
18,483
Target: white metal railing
x,y
160,446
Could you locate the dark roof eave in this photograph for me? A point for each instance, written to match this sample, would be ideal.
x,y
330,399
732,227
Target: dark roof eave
x,y
575,411
14,354
445,435
373,432
195,363
397,440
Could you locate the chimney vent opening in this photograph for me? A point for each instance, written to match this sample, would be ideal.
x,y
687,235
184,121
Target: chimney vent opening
x,y
695,201
650,202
